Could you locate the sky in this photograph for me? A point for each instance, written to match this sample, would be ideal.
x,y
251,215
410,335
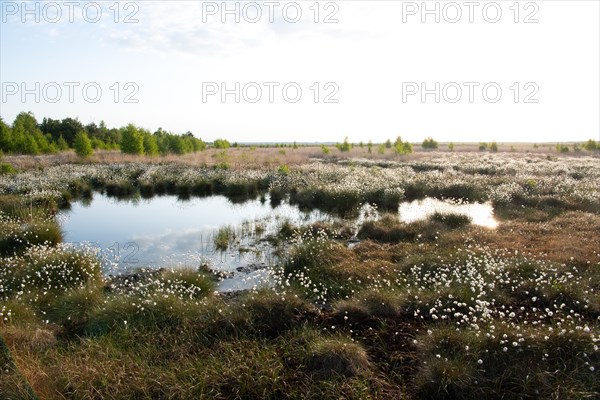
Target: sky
x,y
264,71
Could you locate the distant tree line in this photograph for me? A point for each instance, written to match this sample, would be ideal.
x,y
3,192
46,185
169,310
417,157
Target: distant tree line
x,y
28,136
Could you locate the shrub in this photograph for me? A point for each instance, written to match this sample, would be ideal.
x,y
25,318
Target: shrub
x,y
6,168
483,146
283,170
221,144
591,145
345,146
325,149
494,147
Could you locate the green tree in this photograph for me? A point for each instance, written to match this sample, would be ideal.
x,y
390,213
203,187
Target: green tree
x,y
150,145
192,143
27,133
7,143
97,143
429,143
62,144
68,128
179,145
402,147
451,146
83,145
162,140
198,144
28,145
27,121
388,144
494,147
132,140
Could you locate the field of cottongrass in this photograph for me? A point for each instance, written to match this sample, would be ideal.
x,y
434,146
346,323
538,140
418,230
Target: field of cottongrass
x,y
365,306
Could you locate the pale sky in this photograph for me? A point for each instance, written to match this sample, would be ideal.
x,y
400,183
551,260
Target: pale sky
x,y
375,61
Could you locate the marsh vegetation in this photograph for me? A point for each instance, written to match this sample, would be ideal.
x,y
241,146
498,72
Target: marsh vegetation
x,y
361,301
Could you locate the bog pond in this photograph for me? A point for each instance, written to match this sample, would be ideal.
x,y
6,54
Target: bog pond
x,y
166,231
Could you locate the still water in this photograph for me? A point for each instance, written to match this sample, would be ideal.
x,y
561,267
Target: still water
x,y
481,214
168,232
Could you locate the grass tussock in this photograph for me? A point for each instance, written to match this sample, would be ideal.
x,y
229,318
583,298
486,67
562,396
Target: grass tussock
x,y
43,269
337,357
390,230
15,237
271,314
517,364
451,220
224,237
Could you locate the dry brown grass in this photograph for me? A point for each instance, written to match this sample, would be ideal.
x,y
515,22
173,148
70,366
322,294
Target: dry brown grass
x,y
259,157
32,339
569,238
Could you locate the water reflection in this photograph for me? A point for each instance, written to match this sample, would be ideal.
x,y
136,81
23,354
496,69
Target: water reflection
x,y
480,213
168,232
